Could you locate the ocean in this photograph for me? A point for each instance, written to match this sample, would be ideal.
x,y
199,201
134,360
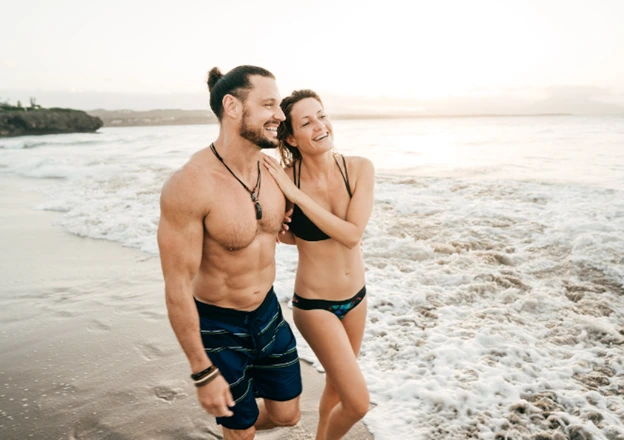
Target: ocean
x,y
494,255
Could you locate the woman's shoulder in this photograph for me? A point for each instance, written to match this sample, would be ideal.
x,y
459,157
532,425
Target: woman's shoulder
x,y
289,169
359,164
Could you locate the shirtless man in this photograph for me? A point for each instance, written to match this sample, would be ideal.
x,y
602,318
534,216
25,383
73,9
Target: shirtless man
x,y
220,216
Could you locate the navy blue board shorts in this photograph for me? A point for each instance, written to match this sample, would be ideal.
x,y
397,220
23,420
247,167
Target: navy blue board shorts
x,y
256,353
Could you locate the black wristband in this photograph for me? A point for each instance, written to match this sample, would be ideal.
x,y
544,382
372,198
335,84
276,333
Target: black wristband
x,y
204,373
207,379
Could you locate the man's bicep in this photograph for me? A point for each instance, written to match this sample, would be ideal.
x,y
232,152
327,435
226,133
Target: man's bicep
x,y
180,240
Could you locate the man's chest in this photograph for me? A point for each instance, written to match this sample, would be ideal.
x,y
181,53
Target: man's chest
x,y
233,217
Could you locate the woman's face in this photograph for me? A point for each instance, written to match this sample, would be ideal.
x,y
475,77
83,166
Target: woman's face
x,y
312,129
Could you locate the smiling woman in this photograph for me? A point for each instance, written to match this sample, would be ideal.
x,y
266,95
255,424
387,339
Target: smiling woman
x,y
333,200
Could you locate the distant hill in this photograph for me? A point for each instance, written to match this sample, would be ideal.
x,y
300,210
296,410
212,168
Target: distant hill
x,y
131,118
578,100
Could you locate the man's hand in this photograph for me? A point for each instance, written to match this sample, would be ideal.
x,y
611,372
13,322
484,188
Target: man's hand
x,y
285,227
216,398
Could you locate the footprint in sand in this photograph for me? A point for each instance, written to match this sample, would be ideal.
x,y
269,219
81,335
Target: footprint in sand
x,y
64,314
153,316
165,393
149,351
98,326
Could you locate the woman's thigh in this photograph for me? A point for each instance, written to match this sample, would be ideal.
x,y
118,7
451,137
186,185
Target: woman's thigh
x,y
354,323
336,344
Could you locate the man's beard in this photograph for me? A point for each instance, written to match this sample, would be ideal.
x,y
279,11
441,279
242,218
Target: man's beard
x,y
255,136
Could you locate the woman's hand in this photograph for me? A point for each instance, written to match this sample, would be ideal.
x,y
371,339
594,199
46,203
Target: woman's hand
x,y
281,178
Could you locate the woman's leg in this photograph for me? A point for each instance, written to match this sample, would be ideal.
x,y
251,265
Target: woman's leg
x,y
329,399
336,343
354,326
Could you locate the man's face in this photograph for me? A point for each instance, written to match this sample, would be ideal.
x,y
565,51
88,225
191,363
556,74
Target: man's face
x,y
262,113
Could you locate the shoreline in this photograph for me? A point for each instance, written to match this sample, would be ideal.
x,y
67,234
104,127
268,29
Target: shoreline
x,y
88,351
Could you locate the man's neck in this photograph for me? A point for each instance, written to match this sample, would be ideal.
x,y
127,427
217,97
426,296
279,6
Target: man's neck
x,y
239,154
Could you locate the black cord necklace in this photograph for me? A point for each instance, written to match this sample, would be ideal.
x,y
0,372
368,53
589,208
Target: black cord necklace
x,y
255,196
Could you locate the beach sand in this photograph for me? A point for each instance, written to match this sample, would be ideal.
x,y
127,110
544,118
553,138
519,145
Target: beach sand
x,y
87,349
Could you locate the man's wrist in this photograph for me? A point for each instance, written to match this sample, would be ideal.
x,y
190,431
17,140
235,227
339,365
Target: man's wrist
x,y
206,378
200,364
203,373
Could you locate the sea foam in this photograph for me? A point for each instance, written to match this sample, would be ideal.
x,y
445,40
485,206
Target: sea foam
x,y
495,279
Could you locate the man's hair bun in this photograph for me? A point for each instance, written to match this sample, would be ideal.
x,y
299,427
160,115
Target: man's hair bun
x,y
213,76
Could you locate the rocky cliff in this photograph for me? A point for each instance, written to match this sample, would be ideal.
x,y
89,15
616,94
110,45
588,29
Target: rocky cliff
x,y
16,121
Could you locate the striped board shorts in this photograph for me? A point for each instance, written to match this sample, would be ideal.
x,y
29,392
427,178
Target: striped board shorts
x,y
256,353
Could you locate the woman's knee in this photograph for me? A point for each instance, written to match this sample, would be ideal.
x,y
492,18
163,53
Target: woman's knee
x,y
357,407
330,389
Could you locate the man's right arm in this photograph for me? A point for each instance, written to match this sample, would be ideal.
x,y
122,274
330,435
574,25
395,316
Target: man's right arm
x,y
180,241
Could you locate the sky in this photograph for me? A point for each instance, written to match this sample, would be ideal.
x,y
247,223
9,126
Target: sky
x,y
146,54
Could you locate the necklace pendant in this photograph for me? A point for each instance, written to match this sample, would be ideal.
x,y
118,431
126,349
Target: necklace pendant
x,y
258,211
253,198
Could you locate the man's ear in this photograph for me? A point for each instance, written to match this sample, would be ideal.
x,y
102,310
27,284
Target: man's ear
x,y
232,106
291,140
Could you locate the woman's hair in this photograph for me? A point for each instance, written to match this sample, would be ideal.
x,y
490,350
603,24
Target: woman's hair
x,y
235,82
288,153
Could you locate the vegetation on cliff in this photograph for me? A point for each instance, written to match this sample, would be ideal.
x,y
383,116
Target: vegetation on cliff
x,y
34,120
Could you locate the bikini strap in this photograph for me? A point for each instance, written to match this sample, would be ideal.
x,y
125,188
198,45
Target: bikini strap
x,y
297,175
345,175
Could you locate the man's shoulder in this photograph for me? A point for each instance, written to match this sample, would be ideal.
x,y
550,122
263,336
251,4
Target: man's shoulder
x,y
180,179
188,183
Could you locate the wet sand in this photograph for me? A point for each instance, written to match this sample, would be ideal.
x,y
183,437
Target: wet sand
x,y
87,350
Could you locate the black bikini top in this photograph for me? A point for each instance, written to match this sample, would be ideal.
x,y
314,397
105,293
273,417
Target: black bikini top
x,y
300,224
